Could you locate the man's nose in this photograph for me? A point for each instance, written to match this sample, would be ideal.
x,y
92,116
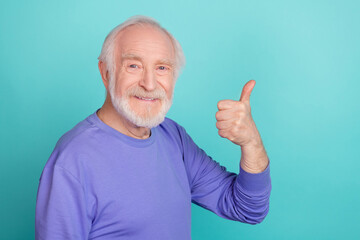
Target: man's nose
x,y
148,81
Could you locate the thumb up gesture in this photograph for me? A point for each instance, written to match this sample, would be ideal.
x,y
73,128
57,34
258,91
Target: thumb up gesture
x,y
234,119
235,123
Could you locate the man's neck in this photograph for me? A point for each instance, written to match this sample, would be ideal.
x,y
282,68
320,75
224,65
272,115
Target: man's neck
x,y
112,118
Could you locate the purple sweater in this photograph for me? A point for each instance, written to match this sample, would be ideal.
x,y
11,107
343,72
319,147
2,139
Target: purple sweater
x,y
101,184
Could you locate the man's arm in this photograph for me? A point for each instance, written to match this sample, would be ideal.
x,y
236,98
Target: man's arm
x,y
243,197
61,206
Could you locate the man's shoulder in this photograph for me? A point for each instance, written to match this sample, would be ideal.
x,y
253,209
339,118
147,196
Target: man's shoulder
x,y
78,134
171,129
78,140
170,125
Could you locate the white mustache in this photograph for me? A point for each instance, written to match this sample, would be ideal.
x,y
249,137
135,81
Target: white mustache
x,y
140,92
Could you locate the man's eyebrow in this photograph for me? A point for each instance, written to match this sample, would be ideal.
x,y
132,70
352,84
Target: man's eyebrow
x,y
131,56
166,62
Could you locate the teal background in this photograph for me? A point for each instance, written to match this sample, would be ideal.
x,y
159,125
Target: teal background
x,y
304,56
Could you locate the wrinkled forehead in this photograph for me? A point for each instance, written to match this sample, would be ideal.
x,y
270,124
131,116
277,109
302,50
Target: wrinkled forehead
x,y
144,39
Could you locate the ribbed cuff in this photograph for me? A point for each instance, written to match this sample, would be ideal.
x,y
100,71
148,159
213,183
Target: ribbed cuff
x,y
254,182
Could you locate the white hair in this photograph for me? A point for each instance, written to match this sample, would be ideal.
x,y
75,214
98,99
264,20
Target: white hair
x,y
107,51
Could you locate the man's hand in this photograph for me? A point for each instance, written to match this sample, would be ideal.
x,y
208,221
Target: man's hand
x,y
235,123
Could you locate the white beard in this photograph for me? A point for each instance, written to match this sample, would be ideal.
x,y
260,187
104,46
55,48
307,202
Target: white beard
x,y
122,106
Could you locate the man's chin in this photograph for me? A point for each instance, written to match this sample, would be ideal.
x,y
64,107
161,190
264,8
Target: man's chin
x,y
147,122
148,117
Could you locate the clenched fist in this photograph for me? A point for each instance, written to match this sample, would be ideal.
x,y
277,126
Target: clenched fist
x,y
235,123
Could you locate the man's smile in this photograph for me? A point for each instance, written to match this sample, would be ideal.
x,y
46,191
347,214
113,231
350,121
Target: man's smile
x,y
148,99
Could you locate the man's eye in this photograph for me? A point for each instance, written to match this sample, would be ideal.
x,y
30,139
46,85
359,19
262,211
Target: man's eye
x,y
134,67
162,68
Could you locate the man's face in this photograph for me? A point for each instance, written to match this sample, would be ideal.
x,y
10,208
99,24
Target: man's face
x,y
142,86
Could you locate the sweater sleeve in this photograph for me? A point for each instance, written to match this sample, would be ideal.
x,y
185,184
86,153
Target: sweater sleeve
x,y
243,197
60,207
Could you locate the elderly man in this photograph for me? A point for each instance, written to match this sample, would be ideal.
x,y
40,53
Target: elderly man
x,y
127,172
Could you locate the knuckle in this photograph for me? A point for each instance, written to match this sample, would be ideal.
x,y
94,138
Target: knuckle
x,y
225,104
221,133
217,115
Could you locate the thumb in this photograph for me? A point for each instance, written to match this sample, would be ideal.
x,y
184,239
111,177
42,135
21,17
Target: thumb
x,y
245,95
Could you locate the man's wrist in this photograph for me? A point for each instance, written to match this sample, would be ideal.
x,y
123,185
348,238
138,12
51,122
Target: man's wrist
x,y
254,158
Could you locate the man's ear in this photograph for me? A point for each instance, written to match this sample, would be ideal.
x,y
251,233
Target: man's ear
x,y
104,73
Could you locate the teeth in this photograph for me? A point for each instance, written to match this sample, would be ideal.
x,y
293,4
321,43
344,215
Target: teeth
x,y
147,99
